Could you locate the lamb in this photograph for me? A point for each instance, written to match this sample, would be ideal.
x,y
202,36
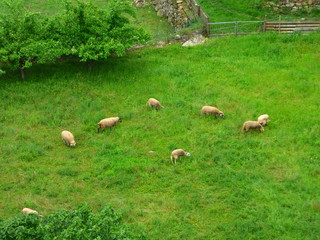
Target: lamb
x,y
108,123
68,138
178,153
263,119
30,211
209,110
252,125
154,103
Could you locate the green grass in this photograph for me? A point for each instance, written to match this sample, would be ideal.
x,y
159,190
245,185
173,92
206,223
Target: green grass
x,y
245,10
232,10
159,28
234,186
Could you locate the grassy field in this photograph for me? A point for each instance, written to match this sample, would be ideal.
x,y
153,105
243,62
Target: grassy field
x,y
159,28
232,10
247,10
234,186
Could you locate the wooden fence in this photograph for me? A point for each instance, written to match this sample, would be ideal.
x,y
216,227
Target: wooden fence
x,y
290,27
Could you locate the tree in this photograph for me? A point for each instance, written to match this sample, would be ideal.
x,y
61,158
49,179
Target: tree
x,y
91,33
22,39
81,30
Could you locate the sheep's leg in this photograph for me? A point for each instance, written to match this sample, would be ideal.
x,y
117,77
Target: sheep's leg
x,y
98,129
171,158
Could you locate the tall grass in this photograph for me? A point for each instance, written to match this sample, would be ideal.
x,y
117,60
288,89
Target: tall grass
x,y
235,185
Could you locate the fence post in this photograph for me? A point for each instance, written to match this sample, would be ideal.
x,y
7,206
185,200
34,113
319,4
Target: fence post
x,y
236,28
279,29
208,27
198,7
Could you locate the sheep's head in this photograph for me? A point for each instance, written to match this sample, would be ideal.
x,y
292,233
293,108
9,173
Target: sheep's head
x,y
73,144
120,120
188,154
222,115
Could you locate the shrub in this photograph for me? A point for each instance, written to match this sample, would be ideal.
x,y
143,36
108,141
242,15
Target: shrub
x,y
80,223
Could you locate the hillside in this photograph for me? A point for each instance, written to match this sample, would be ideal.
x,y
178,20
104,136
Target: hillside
x,y
234,186
253,10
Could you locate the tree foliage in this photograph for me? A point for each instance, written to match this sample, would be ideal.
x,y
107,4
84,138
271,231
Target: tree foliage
x,y
80,223
82,30
22,41
91,33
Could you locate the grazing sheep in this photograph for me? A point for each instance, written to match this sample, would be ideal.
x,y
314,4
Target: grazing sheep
x,y
154,103
68,138
208,110
30,211
263,119
252,125
178,153
108,123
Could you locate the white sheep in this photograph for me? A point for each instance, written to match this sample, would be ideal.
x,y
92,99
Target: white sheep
x,y
178,153
108,122
263,119
30,211
252,125
154,103
68,138
209,110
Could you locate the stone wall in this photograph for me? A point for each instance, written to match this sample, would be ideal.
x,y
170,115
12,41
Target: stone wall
x,y
292,5
173,10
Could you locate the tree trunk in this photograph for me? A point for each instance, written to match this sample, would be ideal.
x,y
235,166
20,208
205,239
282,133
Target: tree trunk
x,y
89,64
22,74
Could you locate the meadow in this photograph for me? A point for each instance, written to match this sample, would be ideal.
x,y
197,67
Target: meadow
x,y
247,10
234,186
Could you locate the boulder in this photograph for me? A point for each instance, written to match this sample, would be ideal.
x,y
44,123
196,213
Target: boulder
x,y
195,40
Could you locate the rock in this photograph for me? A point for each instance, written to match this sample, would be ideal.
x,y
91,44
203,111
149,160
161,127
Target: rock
x,y
195,40
177,37
160,13
160,44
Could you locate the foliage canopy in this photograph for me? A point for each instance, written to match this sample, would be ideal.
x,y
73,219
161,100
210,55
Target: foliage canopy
x,y
81,30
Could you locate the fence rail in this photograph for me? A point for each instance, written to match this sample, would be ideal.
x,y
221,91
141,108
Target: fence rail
x,y
290,27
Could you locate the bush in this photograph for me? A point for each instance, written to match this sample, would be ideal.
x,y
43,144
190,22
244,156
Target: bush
x,y
80,223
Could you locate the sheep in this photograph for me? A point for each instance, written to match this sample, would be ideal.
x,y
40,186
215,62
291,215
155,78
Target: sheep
x,y
30,211
252,125
263,119
209,110
154,103
108,123
68,138
178,153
